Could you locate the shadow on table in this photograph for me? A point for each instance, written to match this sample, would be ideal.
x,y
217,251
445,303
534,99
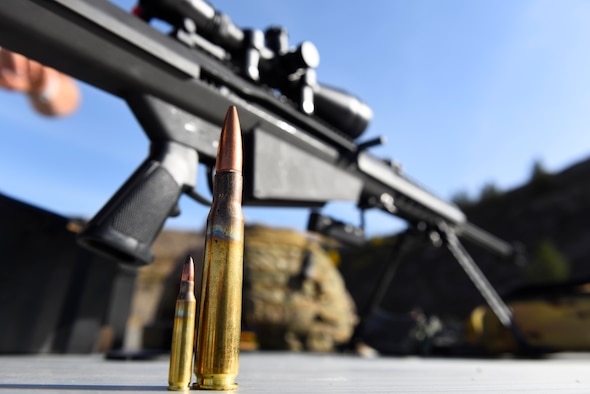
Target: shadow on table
x,y
88,387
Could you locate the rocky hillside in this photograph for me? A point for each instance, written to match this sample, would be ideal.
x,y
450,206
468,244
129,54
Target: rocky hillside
x,y
548,216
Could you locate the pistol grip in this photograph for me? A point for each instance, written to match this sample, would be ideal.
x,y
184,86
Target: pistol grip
x,y
128,224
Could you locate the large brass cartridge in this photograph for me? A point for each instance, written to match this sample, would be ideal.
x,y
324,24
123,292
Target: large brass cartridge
x,y
218,329
183,333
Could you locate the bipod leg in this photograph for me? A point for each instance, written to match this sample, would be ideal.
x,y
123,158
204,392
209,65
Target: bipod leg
x,y
385,278
485,288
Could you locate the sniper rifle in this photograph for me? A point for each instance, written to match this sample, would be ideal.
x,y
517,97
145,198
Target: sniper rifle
x,y
300,136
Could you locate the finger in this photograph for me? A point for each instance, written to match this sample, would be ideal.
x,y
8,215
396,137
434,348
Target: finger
x,y
13,71
6,60
37,75
12,81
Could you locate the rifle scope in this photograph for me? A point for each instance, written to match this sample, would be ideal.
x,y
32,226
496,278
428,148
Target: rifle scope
x,y
212,24
277,63
342,110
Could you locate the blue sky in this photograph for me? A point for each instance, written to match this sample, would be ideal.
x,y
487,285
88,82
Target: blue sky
x,y
467,93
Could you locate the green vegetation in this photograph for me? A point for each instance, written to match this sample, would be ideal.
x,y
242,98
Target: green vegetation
x,y
462,199
541,179
547,265
489,192
539,172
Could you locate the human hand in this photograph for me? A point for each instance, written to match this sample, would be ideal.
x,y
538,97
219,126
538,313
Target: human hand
x,y
51,92
20,73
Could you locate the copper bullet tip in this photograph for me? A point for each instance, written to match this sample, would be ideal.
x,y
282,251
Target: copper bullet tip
x,y
188,270
229,151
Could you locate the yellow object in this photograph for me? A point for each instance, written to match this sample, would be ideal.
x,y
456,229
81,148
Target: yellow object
x,y
219,326
561,323
183,333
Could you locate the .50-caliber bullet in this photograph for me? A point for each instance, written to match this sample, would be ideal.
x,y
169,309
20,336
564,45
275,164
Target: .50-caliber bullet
x,y
218,330
183,334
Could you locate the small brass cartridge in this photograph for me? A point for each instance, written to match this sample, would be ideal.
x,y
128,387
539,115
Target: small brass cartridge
x,y
219,324
183,333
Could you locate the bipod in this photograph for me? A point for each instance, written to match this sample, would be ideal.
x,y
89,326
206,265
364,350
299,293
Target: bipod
x,y
387,274
485,288
442,234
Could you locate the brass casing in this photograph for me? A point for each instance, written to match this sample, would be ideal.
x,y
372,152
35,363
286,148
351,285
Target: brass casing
x,y
219,324
183,339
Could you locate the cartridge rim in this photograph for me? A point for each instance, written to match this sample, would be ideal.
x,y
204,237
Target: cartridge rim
x,y
175,387
216,382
